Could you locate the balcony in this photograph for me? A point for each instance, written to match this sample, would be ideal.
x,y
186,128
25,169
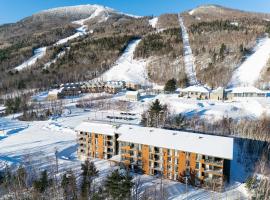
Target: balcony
x,y
214,171
214,162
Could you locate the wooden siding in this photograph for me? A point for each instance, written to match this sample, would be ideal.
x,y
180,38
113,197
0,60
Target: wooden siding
x,y
145,158
100,148
181,163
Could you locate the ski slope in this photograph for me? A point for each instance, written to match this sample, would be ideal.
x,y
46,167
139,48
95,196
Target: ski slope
x,y
190,67
97,11
249,71
38,54
153,22
127,68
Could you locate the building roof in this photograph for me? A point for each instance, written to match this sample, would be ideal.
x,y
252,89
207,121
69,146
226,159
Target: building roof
x,y
216,146
249,89
55,91
99,128
132,93
196,88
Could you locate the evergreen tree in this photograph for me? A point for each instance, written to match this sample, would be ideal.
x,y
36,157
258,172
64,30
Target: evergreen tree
x,y
118,186
156,107
69,185
170,86
89,172
21,177
43,183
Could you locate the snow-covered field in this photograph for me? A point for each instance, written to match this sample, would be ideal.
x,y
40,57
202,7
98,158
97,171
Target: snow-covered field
x,y
249,71
127,68
188,56
38,142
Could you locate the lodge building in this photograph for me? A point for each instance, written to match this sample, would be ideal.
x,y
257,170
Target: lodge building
x,y
175,155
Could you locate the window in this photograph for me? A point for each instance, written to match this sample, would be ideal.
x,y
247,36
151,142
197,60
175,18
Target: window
x,y
197,165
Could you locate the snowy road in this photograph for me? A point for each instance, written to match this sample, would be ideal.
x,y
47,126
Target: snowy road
x,y
188,56
127,68
249,71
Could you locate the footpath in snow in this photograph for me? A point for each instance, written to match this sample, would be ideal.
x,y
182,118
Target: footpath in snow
x,y
127,68
249,71
188,56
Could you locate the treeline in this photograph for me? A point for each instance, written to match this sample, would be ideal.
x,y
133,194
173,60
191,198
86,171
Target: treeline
x,y
118,184
21,48
32,111
86,59
217,25
254,129
167,42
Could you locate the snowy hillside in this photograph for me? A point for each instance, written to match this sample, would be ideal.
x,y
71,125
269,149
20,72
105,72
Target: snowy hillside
x,y
92,11
127,68
81,11
249,71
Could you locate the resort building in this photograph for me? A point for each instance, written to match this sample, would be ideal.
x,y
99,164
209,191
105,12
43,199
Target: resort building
x,y
195,92
244,92
217,94
96,140
133,95
133,86
202,159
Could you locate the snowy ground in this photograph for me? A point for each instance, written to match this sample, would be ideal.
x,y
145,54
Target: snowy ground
x,y
127,68
249,71
37,143
188,56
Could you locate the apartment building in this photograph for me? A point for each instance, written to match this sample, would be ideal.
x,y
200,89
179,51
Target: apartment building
x,y
96,140
202,159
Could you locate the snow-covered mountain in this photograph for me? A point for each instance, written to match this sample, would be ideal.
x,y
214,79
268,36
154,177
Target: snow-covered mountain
x,y
207,47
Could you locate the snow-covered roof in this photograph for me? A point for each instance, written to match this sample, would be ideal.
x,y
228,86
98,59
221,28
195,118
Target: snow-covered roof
x,y
196,88
216,146
99,128
132,93
55,91
249,89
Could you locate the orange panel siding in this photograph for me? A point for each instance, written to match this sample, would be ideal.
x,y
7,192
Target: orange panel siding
x,y
145,158
93,145
192,161
100,147
181,164
173,162
165,163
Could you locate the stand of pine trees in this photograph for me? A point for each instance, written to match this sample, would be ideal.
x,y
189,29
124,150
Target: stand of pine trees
x,y
22,184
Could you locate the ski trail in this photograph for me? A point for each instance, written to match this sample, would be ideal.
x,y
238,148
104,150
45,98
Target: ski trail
x,y
188,56
249,71
81,31
127,68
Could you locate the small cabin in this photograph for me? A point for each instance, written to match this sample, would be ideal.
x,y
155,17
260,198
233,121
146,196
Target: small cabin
x,y
133,96
244,92
195,92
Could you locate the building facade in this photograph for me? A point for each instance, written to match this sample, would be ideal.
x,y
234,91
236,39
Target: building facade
x,y
96,142
202,160
195,92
